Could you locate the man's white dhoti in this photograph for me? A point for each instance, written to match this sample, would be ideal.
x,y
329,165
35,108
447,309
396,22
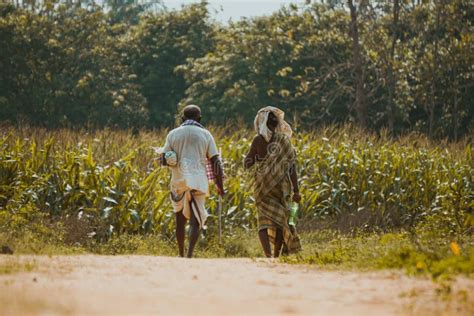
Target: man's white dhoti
x,y
190,200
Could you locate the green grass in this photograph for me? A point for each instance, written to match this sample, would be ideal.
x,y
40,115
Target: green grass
x,y
417,255
422,254
13,264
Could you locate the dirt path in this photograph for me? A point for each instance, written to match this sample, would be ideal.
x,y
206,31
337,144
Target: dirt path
x,y
136,285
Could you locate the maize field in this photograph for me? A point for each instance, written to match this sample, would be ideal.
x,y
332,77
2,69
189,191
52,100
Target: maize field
x,y
110,182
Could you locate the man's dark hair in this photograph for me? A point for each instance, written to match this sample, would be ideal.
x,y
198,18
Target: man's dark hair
x,y
192,112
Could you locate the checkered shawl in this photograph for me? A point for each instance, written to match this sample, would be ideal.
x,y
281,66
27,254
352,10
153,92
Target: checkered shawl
x,y
276,165
273,191
209,172
192,123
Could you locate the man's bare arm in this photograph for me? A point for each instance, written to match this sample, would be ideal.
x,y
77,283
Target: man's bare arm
x,y
218,172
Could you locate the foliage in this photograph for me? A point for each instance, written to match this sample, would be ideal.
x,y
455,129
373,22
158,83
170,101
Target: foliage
x,y
64,69
103,183
269,61
368,202
131,65
156,46
15,265
299,59
429,255
365,181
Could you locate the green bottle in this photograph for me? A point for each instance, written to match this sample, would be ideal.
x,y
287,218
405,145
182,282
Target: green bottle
x,y
293,214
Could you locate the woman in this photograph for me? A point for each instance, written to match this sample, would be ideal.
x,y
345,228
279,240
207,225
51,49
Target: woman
x,y
275,179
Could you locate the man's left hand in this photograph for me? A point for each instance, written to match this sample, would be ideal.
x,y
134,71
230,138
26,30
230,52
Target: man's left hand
x,y
163,160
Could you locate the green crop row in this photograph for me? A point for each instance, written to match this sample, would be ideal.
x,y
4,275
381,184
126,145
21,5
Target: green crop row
x,y
108,182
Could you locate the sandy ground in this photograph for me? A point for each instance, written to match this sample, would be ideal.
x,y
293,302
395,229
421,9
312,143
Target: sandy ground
x,y
137,285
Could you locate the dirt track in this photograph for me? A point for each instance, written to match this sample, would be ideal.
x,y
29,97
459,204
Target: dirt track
x,y
136,285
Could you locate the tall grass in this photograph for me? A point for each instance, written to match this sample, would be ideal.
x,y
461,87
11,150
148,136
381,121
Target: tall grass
x,y
100,183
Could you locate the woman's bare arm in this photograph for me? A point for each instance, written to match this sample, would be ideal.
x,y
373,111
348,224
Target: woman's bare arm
x,y
294,182
294,178
252,156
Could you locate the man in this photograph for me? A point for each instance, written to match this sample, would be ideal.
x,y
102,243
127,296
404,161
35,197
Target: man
x,y
275,177
194,147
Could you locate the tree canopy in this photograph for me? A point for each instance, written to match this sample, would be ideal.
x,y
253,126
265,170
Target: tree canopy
x,y
399,65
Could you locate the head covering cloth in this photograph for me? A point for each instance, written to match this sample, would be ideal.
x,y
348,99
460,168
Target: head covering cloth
x,y
260,123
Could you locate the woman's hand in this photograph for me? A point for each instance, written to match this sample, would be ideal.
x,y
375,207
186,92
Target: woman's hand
x,y
296,197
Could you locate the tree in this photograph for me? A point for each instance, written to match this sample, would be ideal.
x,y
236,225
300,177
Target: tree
x,y
357,61
288,59
401,65
156,46
64,69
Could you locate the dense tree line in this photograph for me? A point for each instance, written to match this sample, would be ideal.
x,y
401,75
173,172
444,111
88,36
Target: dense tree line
x,y
399,65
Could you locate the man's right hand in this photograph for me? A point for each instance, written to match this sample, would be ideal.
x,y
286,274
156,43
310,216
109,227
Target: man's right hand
x,y
218,173
220,191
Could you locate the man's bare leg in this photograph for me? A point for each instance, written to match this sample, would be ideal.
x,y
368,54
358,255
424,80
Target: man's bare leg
x,y
278,242
265,241
180,230
193,234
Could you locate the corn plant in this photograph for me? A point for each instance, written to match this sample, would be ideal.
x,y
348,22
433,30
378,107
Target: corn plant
x,y
111,181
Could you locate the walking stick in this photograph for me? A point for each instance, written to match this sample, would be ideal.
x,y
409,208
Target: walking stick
x,y
219,211
219,224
